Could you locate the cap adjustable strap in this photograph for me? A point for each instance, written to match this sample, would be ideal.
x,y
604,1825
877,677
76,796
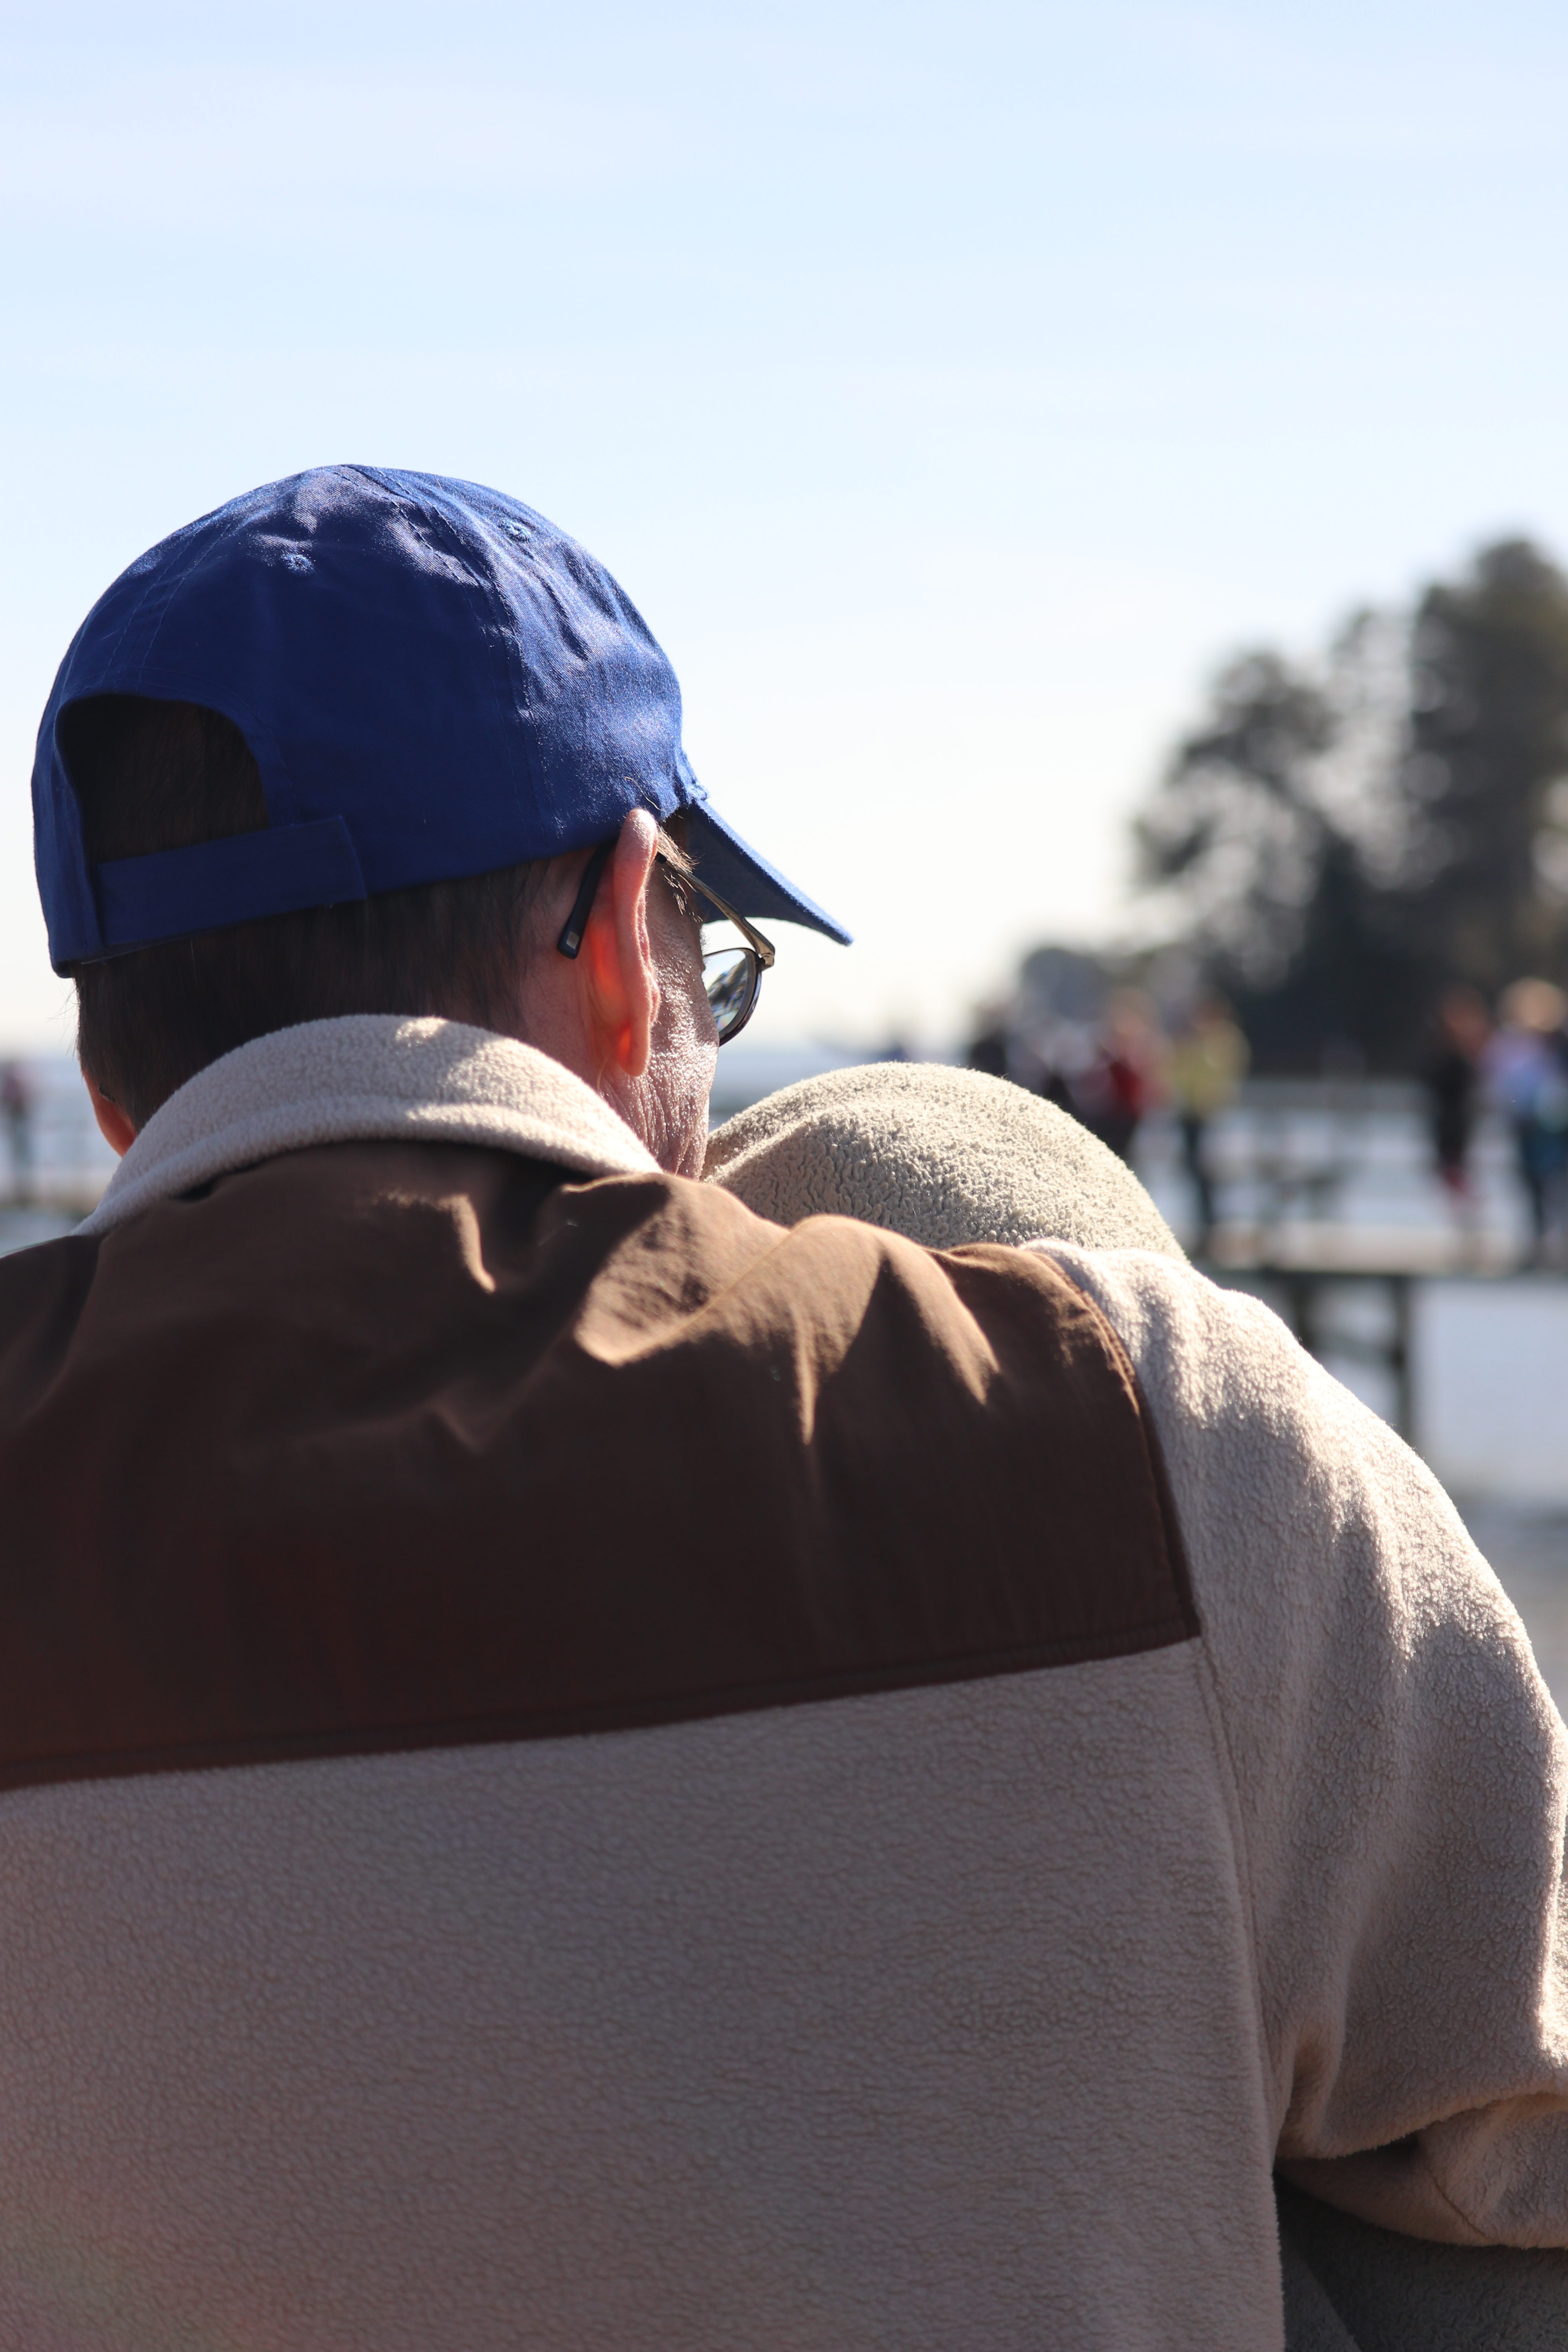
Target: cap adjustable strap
x,y
176,892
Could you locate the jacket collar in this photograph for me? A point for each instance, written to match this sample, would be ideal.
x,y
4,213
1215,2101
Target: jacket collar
x,y
366,1076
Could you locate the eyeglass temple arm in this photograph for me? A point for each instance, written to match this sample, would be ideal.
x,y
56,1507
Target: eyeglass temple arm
x,y
762,949
571,939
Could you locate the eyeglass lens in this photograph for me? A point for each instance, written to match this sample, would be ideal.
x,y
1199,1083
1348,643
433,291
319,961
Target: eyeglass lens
x,y
729,976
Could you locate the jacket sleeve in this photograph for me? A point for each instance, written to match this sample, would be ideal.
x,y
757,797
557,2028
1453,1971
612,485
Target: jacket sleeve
x,y
1398,1776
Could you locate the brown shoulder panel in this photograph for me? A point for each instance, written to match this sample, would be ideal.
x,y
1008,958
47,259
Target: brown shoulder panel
x,y
378,1446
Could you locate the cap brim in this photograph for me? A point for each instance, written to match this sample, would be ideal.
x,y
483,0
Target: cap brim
x,y
746,881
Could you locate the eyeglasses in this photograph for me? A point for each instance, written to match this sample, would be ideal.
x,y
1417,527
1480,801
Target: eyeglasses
x,y
732,977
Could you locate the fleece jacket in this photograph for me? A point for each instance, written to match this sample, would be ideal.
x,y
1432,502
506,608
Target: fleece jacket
x,y
1033,1754
940,1155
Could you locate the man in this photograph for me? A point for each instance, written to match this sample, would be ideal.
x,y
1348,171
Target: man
x,y
584,1767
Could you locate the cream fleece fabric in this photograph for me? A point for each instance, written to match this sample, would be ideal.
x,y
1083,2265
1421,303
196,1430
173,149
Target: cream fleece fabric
x,y
942,1156
370,1075
1399,1777
1405,1669
969,2015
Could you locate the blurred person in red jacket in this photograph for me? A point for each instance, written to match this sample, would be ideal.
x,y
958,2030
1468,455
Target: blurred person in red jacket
x,y
1126,1077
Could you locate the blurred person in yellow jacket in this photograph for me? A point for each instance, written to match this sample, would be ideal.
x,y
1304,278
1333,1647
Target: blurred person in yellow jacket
x,y
1208,1062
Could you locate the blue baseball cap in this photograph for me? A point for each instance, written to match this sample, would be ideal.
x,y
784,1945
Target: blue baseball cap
x,y
434,682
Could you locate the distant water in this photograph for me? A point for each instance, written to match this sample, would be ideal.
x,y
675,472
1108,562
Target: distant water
x,y
746,1073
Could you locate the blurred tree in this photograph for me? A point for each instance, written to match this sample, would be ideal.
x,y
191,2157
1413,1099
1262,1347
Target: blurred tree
x,y
1482,780
1340,845
1238,827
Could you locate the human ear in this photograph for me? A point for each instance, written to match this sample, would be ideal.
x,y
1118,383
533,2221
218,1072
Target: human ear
x,y
616,954
113,1125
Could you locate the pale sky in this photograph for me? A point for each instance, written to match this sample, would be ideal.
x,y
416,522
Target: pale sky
x,y
952,387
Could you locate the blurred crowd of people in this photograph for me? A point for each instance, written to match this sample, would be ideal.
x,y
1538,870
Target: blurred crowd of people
x,y
1519,1063
1108,1057
1110,1063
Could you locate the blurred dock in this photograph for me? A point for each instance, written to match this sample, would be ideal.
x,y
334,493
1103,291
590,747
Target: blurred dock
x,y
1348,1251
56,1196
1305,1272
